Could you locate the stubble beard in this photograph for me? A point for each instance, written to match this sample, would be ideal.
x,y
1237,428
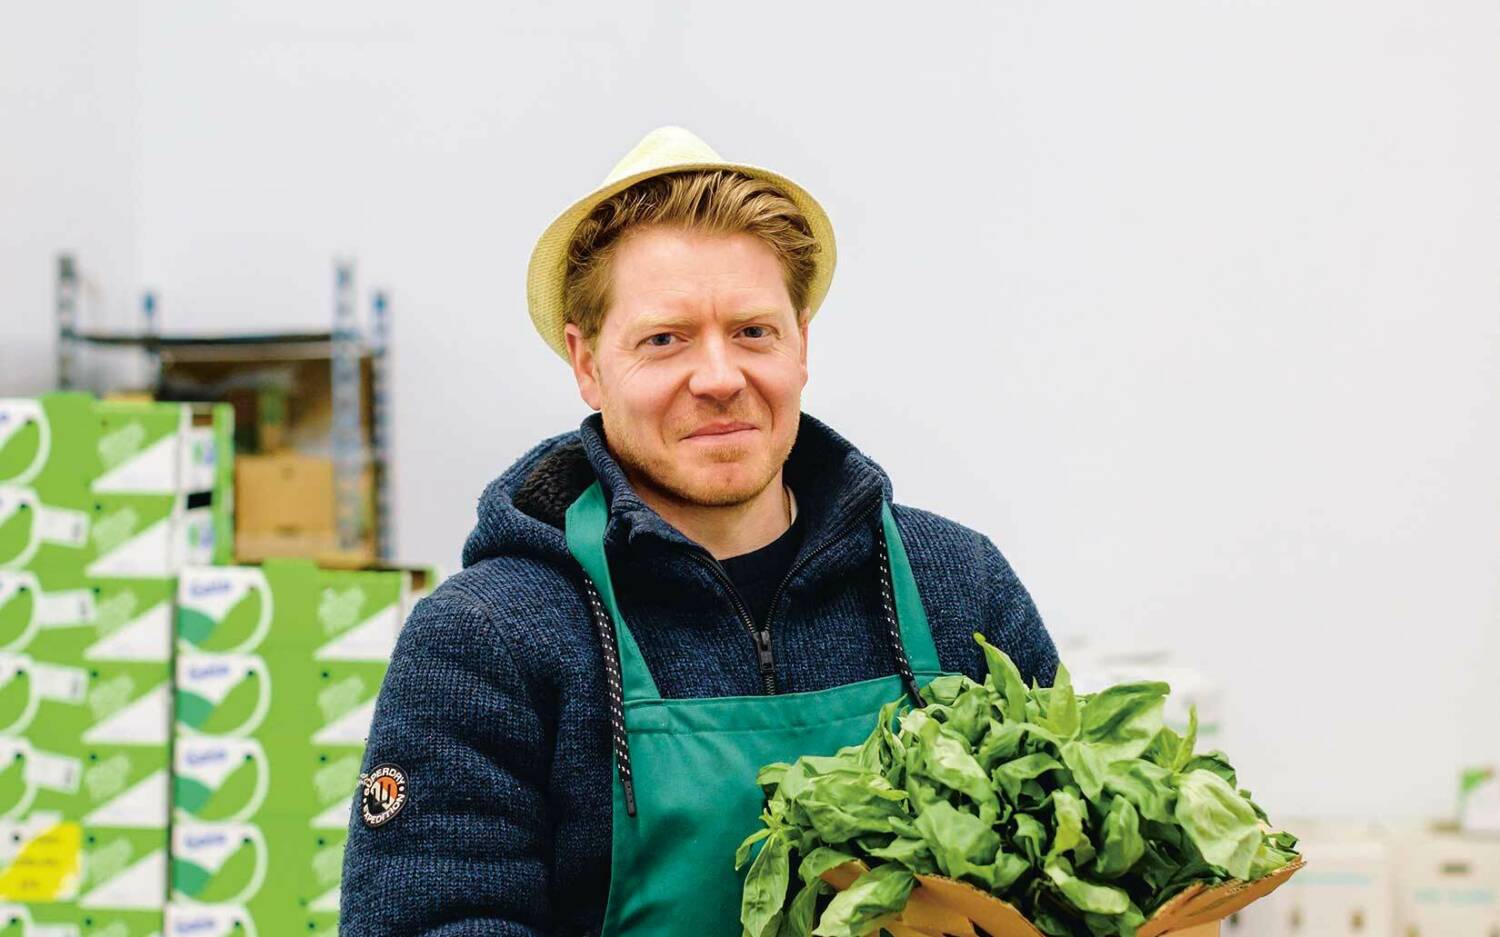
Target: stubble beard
x,y
649,469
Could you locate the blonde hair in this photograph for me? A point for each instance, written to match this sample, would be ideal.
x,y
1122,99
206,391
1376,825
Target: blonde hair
x,y
719,201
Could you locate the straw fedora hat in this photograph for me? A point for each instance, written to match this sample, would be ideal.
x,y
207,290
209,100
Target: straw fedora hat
x,y
663,150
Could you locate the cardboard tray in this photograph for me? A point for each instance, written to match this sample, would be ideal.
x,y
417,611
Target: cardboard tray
x,y
944,907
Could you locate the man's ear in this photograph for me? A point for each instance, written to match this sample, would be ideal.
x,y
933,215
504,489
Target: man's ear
x,y
803,329
585,366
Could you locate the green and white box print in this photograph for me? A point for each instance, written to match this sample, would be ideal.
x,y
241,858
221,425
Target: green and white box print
x,y
218,863
219,780
359,614
107,619
68,919
202,920
99,785
38,536
150,535
222,694
26,609
140,447
104,702
49,444
223,610
46,859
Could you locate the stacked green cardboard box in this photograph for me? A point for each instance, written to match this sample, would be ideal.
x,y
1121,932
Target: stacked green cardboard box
x,y
278,667
100,504
238,815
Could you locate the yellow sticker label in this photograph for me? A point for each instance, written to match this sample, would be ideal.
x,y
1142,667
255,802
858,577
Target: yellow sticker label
x,y
47,867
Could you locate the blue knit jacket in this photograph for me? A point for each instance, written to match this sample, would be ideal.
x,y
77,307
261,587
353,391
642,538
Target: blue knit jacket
x,y
495,705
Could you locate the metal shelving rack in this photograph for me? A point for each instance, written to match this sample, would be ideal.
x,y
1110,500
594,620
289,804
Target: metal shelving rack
x,y
345,348
348,446
380,441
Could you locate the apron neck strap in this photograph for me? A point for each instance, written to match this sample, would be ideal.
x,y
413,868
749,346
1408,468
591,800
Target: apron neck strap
x,y
916,636
584,525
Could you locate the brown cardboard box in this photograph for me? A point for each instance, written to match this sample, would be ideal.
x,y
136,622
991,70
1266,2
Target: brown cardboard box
x,y
285,507
940,906
284,493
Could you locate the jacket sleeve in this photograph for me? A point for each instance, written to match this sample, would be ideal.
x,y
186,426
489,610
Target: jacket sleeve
x,y
1013,623
468,853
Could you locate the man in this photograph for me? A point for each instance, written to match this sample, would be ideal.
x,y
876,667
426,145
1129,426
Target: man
x,y
567,737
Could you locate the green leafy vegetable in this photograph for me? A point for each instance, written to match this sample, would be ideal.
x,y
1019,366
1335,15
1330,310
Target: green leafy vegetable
x,y
1084,895
880,891
1084,811
1122,720
760,910
1123,845
1220,821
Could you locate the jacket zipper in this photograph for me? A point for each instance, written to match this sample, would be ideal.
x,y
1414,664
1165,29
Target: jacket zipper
x,y
762,636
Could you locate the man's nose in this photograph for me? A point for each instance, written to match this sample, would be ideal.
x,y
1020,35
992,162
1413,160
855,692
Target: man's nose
x,y
716,373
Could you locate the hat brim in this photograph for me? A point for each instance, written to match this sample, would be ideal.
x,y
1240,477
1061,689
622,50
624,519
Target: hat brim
x,y
548,267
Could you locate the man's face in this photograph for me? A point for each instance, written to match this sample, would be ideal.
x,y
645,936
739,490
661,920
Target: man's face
x,y
701,331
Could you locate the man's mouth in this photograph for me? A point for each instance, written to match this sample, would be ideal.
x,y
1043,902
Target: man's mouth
x,y
722,430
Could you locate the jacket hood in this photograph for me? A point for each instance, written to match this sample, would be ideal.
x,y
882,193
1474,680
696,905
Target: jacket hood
x,y
522,511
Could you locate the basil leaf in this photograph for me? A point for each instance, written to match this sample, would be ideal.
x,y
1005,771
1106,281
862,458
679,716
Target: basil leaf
x,y
959,841
842,806
1214,761
1030,837
770,776
1162,751
912,853
1219,821
970,713
1085,895
743,853
1062,706
1005,679
1088,767
880,891
945,689
1185,750
1124,924
1147,786
1011,775
820,860
946,758
765,888
799,916
1001,742
1122,720
1067,812
1275,851
1123,845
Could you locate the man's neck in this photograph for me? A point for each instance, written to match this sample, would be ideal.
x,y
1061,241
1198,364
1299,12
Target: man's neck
x,y
725,531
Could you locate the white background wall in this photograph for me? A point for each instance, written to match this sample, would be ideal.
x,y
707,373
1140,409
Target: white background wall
x,y
70,153
1193,307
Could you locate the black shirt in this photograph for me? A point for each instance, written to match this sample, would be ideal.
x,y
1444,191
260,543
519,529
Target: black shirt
x,y
757,574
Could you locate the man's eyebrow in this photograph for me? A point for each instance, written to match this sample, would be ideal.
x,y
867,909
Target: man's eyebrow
x,y
754,313
670,321
663,321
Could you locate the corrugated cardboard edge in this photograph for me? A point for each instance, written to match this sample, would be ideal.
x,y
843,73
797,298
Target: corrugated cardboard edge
x,y
1200,906
933,903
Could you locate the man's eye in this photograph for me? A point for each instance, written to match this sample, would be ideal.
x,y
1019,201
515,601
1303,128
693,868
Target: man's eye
x,y
659,335
761,327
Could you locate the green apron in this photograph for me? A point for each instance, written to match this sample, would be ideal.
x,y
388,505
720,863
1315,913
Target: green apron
x,y
694,761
